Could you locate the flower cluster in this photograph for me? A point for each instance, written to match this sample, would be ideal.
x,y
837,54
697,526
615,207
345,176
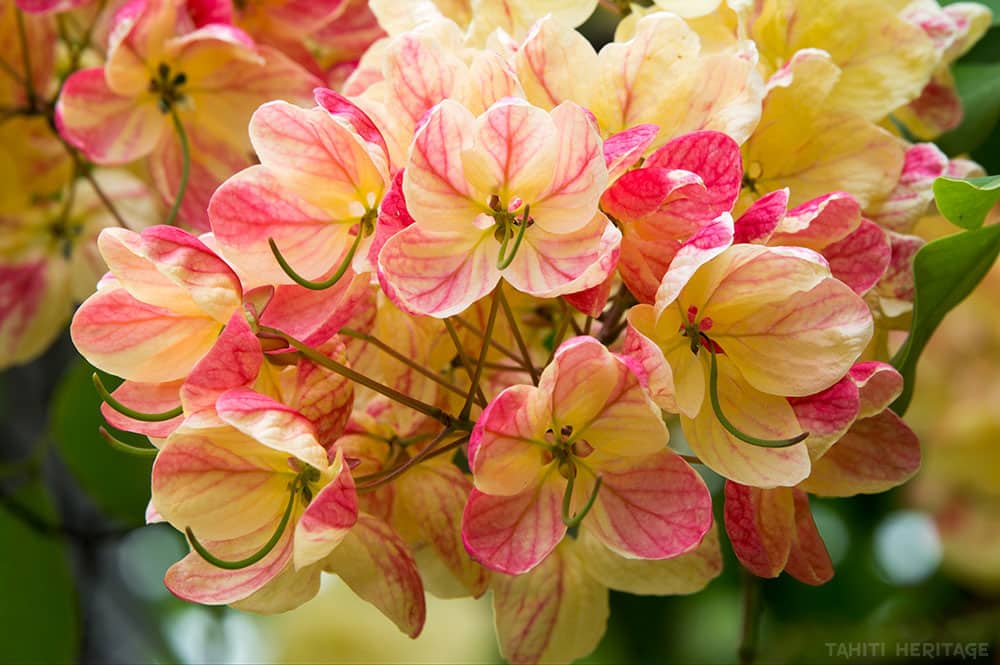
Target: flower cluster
x,y
447,300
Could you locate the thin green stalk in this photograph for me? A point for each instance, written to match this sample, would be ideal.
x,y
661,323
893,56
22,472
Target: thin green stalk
x,y
518,339
491,320
185,166
464,359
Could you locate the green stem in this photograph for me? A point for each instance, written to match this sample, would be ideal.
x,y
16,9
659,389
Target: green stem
x,y
385,477
409,362
123,447
495,344
29,84
348,373
491,320
504,262
132,413
516,331
323,284
185,166
713,393
561,333
256,556
464,359
574,521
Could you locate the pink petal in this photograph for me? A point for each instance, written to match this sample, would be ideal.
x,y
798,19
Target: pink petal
x,y
556,613
808,560
760,524
623,150
432,498
375,563
272,424
324,397
513,534
551,264
819,222
196,580
140,342
760,220
437,192
913,194
860,259
341,107
393,216
712,156
438,274
649,507
313,316
896,288
707,243
327,519
875,455
108,128
826,415
879,384
34,305
548,60
505,453
421,72
233,362
147,398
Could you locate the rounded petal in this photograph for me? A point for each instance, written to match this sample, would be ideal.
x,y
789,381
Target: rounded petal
x,y
760,524
507,446
327,519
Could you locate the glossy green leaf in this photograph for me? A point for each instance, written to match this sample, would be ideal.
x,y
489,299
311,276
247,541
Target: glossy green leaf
x,y
945,272
979,87
966,202
118,483
39,620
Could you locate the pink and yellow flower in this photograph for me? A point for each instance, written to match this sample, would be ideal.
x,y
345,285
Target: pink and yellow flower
x,y
161,72
773,323
587,434
510,194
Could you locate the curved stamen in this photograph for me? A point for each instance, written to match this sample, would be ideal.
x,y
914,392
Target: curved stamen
x,y
253,558
504,262
713,393
132,413
185,165
574,521
121,446
308,283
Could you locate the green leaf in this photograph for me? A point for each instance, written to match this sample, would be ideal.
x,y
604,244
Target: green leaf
x,y
38,611
979,87
966,202
945,272
117,482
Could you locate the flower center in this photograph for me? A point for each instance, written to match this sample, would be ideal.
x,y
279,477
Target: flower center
x,y
167,86
695,328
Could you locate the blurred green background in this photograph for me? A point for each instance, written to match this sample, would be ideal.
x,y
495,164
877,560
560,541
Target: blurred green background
x,y
81,579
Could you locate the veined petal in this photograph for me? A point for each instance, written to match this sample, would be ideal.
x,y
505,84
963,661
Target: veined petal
x,y
375,563
140,342
640,347
313,316
759,221
437,192
219,483
554,614
272,424
552,64
819,222
327,519
683,574
438,273
624,149
551,264
827,414
513,534
287,590
196,580
514,152
146,398
108,128
649,507
325,398
433,497
808,560
707,243
570,199
798,346
233,362
35,302
760,524
860,259
879,384
875,455
913,193
758,414
506,449
715,158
